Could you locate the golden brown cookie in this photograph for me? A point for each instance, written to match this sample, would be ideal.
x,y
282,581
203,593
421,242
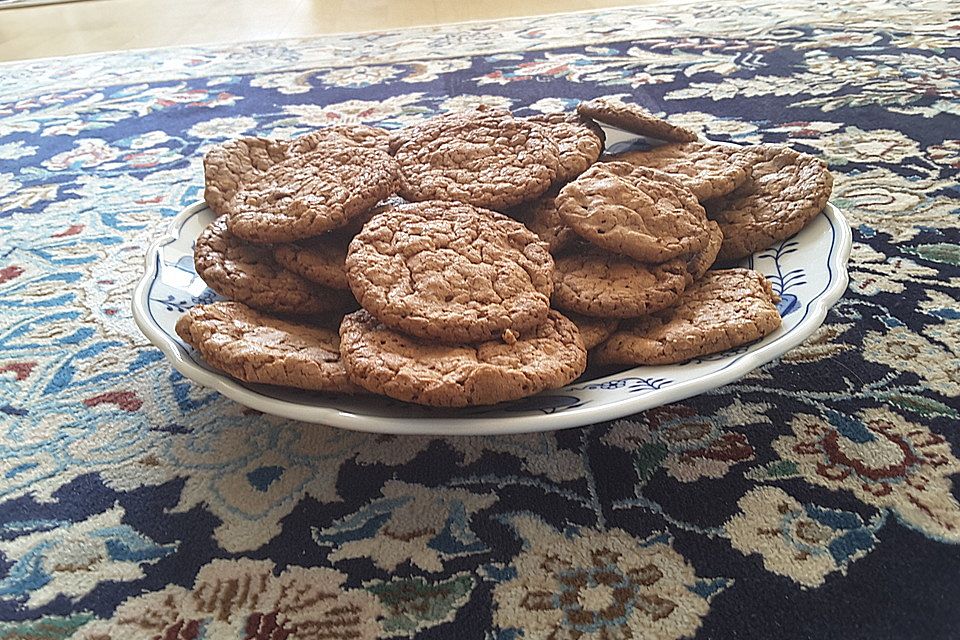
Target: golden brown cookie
x,y
704,259
593,331
785,191
227,165
722,310
579,142
249,274
634,211
254,347
594,282
708,169
542,217
426,372
633,118
358,134
319,259
486,159
450,272
309,194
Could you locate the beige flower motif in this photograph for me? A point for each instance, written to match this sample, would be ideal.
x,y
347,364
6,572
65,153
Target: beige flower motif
x,y
886,201
884,460
26,197
243,598
947,154
872,272
903,350
352,111
853,144
361,76
715,127
802,542
466,102
600,585
286,83
823,344
415,516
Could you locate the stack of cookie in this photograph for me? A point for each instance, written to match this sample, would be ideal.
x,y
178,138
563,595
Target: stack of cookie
x,y
500,218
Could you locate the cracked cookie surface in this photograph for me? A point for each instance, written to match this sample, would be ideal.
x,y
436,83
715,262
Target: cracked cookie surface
x,y
254,347
249,274
633,118
642,213
708,169
426,372
579,142
785,191
450,272
723,310
594,282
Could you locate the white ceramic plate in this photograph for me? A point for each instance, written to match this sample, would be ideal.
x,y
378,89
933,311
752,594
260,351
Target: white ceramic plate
x,y
809,271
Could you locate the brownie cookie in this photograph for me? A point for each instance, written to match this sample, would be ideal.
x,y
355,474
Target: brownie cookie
x,y
542,217
426,372
484,159
319,259
249,274
633,118
579,142
358,134
309,194
437,123
638,212
723,310
450,272
704,259
254,347
785,191
708,169
594,282
593,331
227,166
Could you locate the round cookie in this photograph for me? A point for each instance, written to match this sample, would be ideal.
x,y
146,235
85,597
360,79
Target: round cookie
x,y
593,331
249,274
319,259
633,118
542,217
450,272
708,169
579,142
702,260
485,159
227,166
593,282
440,121
309,194
642,213
723,310
425,372
258,348
785,191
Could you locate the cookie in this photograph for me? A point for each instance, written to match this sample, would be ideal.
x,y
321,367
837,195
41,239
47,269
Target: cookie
x,y
785,191
254,347
593,331
723,310
488,160
426,372
633,118
249,274
228,165
594,282
358,134
450,272
579,142
642,213
542,217
309,194
702,260
708,169
319,259
400,137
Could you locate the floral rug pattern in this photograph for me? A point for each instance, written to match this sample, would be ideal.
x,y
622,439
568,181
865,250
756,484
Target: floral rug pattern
x,y
817,497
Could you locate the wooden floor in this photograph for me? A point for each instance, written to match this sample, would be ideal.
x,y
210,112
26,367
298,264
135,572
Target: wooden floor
x,y
90,26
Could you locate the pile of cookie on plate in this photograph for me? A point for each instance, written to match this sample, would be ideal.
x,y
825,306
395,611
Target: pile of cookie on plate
x,y
480,257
